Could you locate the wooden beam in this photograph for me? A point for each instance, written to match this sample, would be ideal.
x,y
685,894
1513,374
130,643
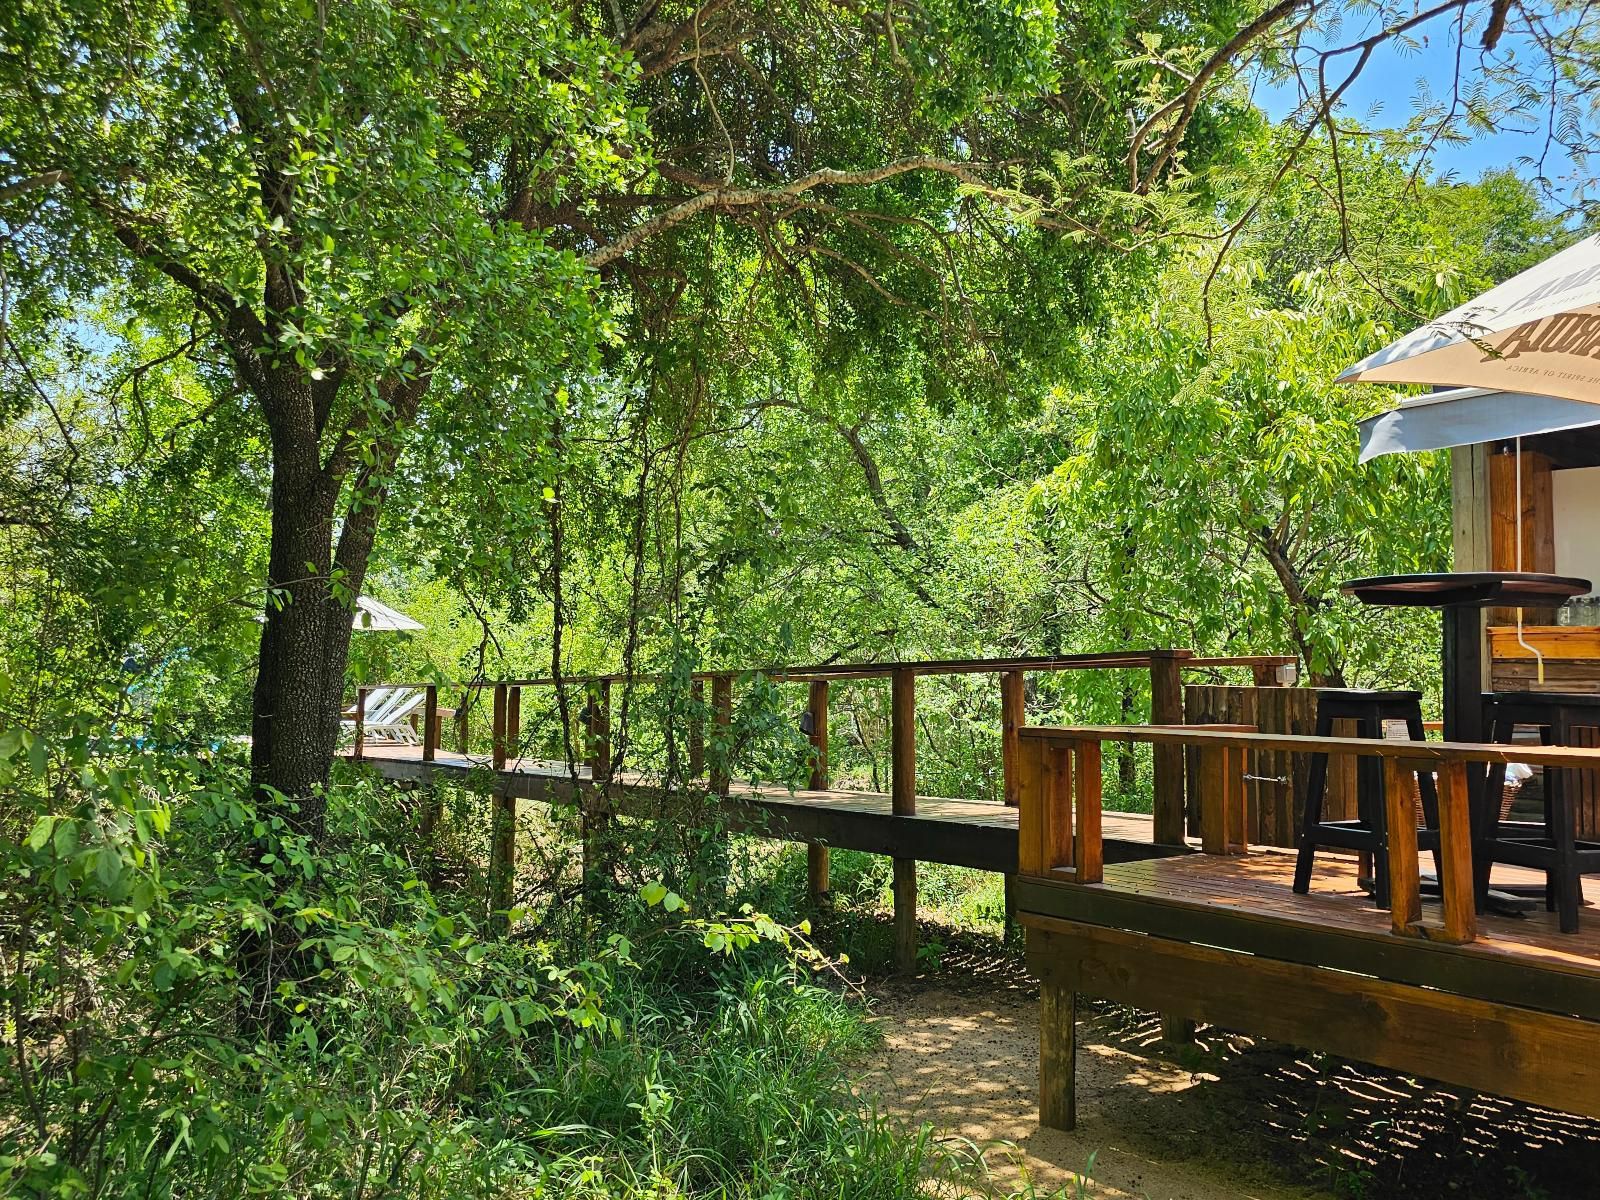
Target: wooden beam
x,y
1536,1057
1166,708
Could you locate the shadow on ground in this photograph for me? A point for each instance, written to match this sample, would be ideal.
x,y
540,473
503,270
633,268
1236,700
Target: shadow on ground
x,y
1229,1116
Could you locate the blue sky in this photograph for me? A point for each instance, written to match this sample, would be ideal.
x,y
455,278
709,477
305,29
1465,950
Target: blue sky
x,y
1397,75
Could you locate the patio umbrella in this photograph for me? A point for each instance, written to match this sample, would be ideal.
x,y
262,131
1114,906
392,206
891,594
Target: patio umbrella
x,y
1466,416
1537,332
376,616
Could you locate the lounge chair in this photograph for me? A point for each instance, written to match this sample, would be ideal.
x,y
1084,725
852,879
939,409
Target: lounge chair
x,y
387,717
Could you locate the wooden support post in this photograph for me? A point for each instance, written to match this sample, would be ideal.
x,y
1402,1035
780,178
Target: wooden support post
x,y
697,729
503,850
1177,1030
1013,716
818,892
430,722
1166,708
722,718
903,803
361,724
599,730
905,915
497,729
514,722
1058,1043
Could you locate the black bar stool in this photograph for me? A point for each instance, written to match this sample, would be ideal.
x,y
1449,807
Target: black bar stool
x,y
1369,832
1550,845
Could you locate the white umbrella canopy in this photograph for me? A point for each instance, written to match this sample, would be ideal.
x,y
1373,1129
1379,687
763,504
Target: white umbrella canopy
x,y
376,616
1466,416
1537,332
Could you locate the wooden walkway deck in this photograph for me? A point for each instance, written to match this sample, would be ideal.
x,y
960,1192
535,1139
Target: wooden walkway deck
x,y
963,833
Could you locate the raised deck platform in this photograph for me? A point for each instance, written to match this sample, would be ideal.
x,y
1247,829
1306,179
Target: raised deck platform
x,y
1491,1003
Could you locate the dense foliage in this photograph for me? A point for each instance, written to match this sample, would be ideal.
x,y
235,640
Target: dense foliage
x,y
641,337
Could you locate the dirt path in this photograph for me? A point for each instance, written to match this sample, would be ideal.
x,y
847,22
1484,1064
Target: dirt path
x,y
1239,1119
969,1067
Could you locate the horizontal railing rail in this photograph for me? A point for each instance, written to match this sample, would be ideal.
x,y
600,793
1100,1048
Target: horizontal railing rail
x,y
1060,794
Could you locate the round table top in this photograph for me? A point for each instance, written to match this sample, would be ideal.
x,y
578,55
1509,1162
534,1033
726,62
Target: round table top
x,y
1452,589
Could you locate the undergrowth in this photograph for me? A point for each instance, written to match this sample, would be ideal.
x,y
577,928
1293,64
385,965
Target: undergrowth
x,y
667,1050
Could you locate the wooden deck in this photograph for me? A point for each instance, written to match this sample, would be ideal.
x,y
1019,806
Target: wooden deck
x,y
1491,1003
964,833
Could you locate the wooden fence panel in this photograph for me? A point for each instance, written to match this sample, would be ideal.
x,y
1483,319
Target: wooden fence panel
x,y
1275,793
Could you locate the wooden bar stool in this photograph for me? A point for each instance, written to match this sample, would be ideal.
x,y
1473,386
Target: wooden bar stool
x,y
1368,833
1551,845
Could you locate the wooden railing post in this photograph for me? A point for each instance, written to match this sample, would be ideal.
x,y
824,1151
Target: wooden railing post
x,y
903,803
1013,716
1405,894
1459,922
1088,848
1222,815
818,892
1166,708
697,729
1455,853
361,724
430,722
497,729
599,730
514,722
722,718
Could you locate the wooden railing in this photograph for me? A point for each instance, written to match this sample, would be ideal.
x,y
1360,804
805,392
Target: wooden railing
x,y
1166,706
1060,794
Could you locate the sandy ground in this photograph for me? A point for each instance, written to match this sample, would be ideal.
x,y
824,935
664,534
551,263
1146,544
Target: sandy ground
x,y
1238,1119
968,1066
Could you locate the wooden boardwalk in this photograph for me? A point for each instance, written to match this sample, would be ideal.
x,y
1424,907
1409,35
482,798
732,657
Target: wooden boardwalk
x,y
964,833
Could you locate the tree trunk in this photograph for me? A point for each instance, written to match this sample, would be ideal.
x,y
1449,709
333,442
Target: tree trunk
x,y
295,722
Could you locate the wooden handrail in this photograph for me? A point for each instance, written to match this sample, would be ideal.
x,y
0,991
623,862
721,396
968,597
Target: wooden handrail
x,y
1575,757
1049,753
1108,660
